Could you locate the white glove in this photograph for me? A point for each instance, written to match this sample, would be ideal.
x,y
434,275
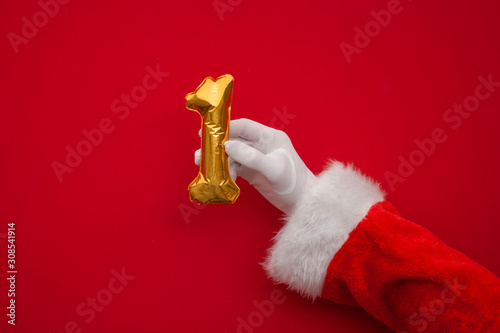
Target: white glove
x,y
265,157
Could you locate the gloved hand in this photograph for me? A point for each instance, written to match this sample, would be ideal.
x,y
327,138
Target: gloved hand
x,y
265,157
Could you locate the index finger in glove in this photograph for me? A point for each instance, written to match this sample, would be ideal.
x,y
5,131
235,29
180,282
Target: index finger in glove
x,y
250,130
253,159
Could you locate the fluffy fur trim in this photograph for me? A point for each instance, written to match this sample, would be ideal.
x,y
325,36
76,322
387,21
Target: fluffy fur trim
x,y
337,200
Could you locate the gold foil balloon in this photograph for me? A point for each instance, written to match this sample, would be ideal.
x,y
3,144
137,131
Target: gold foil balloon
x,y
212,99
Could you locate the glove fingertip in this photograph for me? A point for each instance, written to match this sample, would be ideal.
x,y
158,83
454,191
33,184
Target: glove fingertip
x,y
229,145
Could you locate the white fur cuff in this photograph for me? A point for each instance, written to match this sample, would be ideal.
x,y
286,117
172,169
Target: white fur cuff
x,y
329,210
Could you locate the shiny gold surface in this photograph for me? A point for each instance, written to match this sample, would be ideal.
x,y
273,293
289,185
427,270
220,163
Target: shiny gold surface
x,y
212,99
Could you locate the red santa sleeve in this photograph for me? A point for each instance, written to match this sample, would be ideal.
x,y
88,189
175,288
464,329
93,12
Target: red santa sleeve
x,y
344,243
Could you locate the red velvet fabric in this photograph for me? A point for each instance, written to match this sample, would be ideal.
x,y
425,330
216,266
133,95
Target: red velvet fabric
x,y
407,278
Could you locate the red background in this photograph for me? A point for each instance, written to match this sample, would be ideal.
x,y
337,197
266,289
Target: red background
x,y
121,207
